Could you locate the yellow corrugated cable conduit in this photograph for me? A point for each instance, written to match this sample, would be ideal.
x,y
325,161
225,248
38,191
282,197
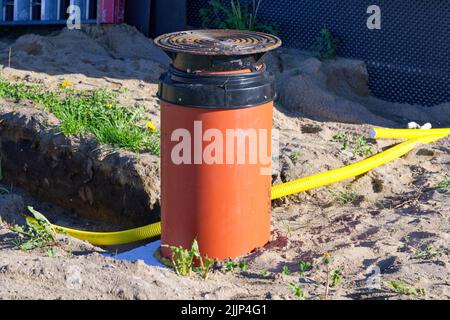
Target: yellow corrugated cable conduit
x,y
318,180
350,171
114,238
383,133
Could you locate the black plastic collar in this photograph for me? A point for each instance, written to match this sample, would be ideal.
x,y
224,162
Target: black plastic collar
x,y
216,91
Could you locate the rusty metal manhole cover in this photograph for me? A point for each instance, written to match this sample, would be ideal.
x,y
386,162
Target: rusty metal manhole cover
x,y
218,42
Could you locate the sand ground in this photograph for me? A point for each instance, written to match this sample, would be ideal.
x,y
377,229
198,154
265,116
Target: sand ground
x,y
395,215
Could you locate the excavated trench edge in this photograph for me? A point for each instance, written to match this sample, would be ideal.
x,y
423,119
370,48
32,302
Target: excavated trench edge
x,y
76,173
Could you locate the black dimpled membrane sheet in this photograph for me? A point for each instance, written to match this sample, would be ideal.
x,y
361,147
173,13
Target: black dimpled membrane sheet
x,y
408,59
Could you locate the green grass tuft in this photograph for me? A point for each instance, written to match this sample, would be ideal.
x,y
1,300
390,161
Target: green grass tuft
x,y
356,143
401,287
343,197
96,112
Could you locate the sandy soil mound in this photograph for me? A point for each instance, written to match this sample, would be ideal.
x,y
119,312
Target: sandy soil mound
x,y
337,90
125,42
120,57
96,51
396,215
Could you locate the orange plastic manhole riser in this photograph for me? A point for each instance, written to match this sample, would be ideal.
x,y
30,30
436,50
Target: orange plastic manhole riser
x,y
225,206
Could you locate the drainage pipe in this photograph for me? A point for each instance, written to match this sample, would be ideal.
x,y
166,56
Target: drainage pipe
x,y
383,133
113,238
353,170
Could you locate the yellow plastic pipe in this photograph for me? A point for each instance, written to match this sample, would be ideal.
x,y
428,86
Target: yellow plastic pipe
x,y
383,133
278,191
113,238
350,171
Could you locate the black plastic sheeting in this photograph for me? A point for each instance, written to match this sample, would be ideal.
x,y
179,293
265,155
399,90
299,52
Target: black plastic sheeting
x,y
408,59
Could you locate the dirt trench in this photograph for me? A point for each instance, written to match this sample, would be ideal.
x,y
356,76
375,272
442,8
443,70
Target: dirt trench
x,y
76,173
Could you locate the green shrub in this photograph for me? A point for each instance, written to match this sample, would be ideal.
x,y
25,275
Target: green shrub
x,y
233,15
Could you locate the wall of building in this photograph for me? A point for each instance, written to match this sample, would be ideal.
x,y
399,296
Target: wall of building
x,y
48,12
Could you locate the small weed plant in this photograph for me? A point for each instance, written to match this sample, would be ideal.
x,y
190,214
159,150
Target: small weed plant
x,y
298,291
230,265
444,186
326,45
264,273
334,276
37,232
51,253
343,197
380,205
401,287
285,270
304,266
295,157
430,253
183,260
243,265
358,144
234,14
